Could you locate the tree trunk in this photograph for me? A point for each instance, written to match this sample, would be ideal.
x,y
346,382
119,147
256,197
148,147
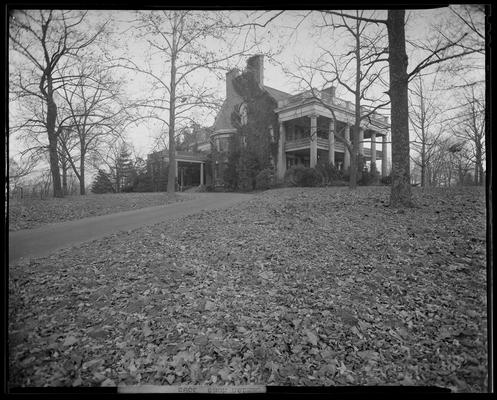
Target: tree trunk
x,y
118,180
64,168
52,148
353,171
423,163
353,160
448,171
401,188
357,122
478,166
171,178
82,190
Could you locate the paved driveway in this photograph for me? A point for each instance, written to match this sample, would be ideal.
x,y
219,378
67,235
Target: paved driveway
x,y
44,240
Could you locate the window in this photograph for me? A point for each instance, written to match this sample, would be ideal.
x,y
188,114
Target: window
x,y
224,144
244,114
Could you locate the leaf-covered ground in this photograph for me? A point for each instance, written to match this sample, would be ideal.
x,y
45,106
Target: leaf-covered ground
x,y
32,213
295,287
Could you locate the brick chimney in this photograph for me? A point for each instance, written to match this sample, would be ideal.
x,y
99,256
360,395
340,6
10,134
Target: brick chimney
x,y
256,65
329,91
230,75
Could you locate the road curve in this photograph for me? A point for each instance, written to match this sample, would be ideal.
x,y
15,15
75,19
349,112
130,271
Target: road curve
x,y
44,240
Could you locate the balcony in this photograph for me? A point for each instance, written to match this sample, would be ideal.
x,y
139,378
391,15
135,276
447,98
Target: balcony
x,y
367,153
307,96
305,143
322,143
297,144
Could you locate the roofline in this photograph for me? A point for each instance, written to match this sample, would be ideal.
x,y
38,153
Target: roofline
x,y
224,130
383,125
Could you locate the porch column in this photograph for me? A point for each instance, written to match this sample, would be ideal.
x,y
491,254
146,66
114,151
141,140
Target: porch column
x,y
346,154
314,140
361,141
176,168
373,148
331,142
201,174
281,166
384,155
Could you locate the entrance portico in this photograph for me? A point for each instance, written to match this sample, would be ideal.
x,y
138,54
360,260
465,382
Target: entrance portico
x,y
190,168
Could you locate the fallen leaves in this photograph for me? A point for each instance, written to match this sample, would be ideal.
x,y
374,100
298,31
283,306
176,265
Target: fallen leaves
x,y
31,212
294,287
70,340
311,336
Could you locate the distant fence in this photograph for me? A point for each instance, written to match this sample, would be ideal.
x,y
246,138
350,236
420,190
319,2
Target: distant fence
x,y
38,192
20,193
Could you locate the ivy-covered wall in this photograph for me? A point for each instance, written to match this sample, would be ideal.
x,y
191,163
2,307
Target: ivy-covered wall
x,y
251,147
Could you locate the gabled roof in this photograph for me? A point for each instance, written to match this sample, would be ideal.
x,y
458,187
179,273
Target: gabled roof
x,y
276,94
223,118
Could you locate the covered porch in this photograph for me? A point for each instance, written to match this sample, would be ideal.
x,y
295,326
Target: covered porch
x,y
190,168
308,134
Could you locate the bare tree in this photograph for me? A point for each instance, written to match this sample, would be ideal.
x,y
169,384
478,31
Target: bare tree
x,y
178,38
95,112
19,169
471,17
469,126
42,40
449,163
357,71
435,53
66,145
423,115
461,162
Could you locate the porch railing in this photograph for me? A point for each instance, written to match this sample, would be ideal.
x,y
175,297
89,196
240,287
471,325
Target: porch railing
x,y
297,143
323,143
328,99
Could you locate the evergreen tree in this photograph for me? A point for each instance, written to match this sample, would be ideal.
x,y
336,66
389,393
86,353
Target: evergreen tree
x,y
102,183
124,170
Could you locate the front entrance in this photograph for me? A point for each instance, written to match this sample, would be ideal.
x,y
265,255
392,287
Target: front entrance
x,y
189,174
301,157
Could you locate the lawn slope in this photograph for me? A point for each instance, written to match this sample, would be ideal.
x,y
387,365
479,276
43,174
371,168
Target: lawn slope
x,y
31,213
322,286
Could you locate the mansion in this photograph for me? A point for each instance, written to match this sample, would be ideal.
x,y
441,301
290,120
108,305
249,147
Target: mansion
x,y
305,133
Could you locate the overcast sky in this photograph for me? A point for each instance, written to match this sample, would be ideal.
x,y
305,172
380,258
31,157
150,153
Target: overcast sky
x,y
302,45
297,45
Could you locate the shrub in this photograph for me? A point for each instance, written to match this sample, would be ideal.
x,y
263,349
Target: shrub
x,y
128,189
329,172
143,183
369,177
290,175
386,180
299,175
265,179
339,183
248,168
